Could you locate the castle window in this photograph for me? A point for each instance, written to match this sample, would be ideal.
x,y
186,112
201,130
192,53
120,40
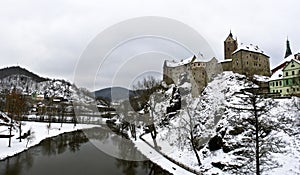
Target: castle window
x,y
292,65
286,74
287,90
287,82
293,73
280,83
276,83
247,61
280,91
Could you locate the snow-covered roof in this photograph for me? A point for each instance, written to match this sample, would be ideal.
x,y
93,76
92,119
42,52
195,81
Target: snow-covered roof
x,y
277,75
298,61
250,47
174,63
226,60
287,60
261,78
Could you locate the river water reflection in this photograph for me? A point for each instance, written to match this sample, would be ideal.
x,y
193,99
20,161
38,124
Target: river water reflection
x,y
73,153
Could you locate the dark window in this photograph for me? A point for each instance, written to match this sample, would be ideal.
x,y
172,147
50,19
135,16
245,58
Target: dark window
x,y
287,82
280,83
286,74
276,83
287,90
293,73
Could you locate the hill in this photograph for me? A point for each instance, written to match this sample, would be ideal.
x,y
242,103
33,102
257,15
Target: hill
x,y
114,93
32,85
223,134
17,70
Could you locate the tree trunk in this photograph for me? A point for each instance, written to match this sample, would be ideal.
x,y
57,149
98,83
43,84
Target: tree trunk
x,y
61,119
20,130
256,137
9,141
194,148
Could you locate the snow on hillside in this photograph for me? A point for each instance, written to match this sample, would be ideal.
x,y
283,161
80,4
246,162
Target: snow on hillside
x,y
50,88
209,115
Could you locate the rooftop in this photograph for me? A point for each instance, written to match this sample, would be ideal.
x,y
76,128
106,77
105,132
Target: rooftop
x,y
174,63
250,47
277,75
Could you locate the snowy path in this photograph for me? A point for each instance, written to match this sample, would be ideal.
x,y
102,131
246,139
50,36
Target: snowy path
x,y
160,160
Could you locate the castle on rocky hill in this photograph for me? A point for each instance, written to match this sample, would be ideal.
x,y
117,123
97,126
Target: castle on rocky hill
x,y
249,60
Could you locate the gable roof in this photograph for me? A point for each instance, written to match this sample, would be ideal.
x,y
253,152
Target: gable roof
x,y
250,47
278,74
284,62
292,61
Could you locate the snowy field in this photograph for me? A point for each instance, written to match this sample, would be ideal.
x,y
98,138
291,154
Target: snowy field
x,y
39,132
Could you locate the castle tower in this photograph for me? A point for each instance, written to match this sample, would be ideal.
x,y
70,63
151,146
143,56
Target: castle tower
x,y
230,45
288,51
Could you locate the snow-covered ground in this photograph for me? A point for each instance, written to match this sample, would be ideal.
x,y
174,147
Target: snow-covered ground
x,y
160,160
211,112
39,132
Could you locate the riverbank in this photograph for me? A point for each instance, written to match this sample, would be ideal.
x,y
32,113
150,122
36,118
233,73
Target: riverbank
x,y
39,132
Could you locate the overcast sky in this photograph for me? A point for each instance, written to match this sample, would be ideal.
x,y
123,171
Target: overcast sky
x,y
49,37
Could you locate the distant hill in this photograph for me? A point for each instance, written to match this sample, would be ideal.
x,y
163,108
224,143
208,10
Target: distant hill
x,y
32,85
114,93
17,70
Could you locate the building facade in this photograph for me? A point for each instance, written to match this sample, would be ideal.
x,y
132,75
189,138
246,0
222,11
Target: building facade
x,y
286,81
249,60
198,72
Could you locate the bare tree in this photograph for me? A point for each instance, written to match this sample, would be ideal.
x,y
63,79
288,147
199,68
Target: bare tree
x,y
252,115
143,90
16,108
147,100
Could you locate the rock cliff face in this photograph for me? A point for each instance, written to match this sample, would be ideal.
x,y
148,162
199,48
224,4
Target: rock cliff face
x,y
224,134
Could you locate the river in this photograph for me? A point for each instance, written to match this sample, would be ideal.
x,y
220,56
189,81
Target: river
x,y
73,154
